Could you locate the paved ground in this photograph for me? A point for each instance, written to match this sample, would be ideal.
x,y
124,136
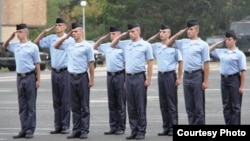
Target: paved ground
x,y
10,125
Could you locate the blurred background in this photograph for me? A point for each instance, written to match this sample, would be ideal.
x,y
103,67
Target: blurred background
x,y
215,16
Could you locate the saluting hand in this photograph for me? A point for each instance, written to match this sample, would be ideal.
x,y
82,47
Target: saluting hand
x,y
106,36
49,29
69,34
12,36
182,31
124,34
220,42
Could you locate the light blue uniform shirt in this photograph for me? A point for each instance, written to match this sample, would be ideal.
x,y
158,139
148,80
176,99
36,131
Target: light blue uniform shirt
x,y
114,57
194,53
58,57
232,61
26,56
167,57
79,55
136,55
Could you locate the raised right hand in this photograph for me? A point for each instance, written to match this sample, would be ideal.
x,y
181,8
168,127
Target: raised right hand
x,y
12,36
49,29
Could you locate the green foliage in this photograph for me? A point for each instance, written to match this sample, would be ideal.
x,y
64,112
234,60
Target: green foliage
x,y
215,15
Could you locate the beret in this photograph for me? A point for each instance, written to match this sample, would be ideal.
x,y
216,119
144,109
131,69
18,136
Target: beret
x,y
230,33
133,25
164,26
21,26
60,20
75,25
192,23
114,28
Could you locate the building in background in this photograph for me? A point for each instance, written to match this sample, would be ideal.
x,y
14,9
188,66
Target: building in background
x,y
12,12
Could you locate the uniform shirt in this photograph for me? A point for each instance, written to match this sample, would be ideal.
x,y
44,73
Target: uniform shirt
x,y
26,56
114,57
167,57
232,61
58,57
136,55
194,52
79,55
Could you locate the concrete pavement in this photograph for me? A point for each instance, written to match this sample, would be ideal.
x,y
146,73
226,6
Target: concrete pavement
x,y
10,125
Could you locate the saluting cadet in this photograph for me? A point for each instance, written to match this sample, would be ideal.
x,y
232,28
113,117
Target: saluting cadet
x,y
137,53
167,60
59,75
233,72
27,60
80,61
115,82
196,60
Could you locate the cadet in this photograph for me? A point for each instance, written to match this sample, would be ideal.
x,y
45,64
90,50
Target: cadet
x,y
81,58
233,72
196,60
115,82
167,60
59,76
28,78
137,53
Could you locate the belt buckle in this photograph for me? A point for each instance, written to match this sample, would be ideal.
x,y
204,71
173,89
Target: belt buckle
x,y
189,72
58,70
23,74
74,74
132,73
225,76
113,73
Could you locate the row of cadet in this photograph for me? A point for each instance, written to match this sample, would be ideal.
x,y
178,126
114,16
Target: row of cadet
x,y
72,76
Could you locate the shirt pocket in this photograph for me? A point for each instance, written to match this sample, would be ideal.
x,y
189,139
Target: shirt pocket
x,y
158,51
234,58
169,54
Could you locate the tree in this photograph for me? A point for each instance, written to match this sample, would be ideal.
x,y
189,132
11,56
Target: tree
x,y
215,16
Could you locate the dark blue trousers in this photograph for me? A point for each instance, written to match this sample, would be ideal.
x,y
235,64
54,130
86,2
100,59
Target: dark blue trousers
x,y
61,99
27,94
231,100
194,97
136,93
116,101
80,102
168,99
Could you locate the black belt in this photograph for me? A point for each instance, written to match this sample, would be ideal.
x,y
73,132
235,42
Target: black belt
x,y
77,74
131,74
228,76
193,71
25,74
165,72
115,73
59,70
